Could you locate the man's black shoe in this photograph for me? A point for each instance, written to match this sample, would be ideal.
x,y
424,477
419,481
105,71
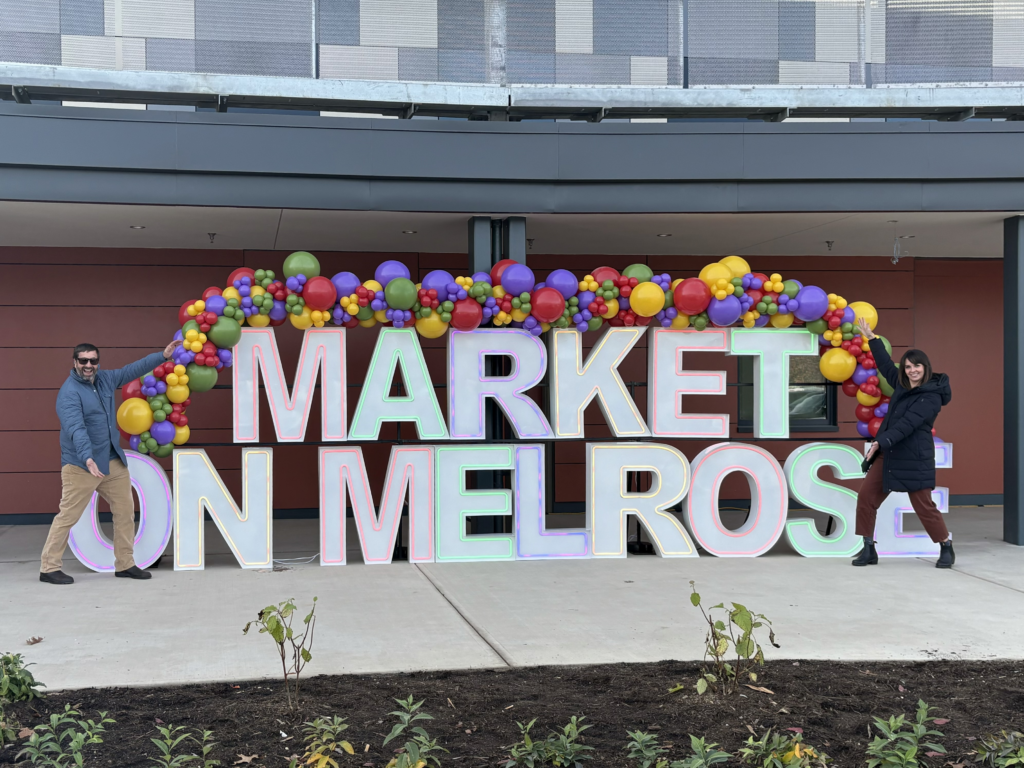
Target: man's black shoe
x,y
56,577
868,555
946,555
133,573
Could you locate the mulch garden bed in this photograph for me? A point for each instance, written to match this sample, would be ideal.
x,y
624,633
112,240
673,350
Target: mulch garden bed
x,y
476,711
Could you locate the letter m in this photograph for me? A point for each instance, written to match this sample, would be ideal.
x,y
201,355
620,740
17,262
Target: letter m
x,y
321,348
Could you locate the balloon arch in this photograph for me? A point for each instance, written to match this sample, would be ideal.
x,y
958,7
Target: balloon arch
x,y
153,417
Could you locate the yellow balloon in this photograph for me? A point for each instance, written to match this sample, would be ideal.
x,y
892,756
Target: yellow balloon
x,y
613,309
135,416
867,311
373,285
676,282
368,322
181,435
781,321
303,321
232,293
381,316
647,299
258,320
518,315
837,365
177,394
498,292
712,273
865,399
680,322
737,265
431,327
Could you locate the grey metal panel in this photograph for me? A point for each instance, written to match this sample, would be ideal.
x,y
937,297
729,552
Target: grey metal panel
x,y
586,68
1013,376
733,29
954,33
170,55
710,71
781,196
88,186
635,28
796,30
81,17
654,156
461,66
30,47
338,22
530,66
41,16
531,26
467,197
269,21
460,24
276,192
417,63
254,57
694,197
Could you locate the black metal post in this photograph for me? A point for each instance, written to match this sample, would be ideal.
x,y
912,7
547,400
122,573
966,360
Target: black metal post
x,y
1013,374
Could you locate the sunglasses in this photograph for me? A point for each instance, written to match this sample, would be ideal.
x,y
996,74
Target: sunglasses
x,y
87,360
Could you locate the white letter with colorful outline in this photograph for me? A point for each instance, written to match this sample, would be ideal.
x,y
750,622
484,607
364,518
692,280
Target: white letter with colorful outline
x,y
891,540
533,539
456,503
801,468
668,382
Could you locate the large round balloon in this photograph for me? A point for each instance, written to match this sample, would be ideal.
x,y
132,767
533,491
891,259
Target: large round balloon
x,y
499,269
547,304
865,399
737,265
837,365
517,279
874,425
134,416
240,273
301,263
183,315
201,378
605,273
647,299
886,344
438,280
400,293
467,314
883,385
813,303
725,311
432,326
641,272
388,270
319,293
691,296
780,321
225,333
864,412
714,272
563,281
345,283
162,432
862,429
132,389
181,434
817,327
216,304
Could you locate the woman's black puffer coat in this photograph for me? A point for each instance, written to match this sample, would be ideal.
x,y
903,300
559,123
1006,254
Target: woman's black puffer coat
x,y
905,437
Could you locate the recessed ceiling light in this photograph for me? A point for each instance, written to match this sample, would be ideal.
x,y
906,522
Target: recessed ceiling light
x,y
408,231
136,226
665,235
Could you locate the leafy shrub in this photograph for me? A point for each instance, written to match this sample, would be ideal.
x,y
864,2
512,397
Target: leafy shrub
x,y
16,682
59,743
9,727
416,753
900,743
276,621
644,750
323,739
776,750
562,749
704,755
171,738
527,752
1002,751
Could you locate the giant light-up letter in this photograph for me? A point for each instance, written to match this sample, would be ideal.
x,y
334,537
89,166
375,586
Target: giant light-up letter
x,y
769,500
249,531
891,540
533,540
398,348
93,547
609,501
574,384
258,348
807,488
772,350
410,470
455,503
668,382
469,386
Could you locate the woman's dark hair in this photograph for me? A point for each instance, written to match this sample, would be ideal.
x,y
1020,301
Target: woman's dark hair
x,y
917,357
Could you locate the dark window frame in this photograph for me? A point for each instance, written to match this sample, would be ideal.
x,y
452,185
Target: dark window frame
x,y
830,423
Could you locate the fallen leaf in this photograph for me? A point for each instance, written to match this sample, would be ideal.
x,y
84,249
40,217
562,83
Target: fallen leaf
x,y
33,641
796,730
25,733
902,689
247,759
510,706
236,686
367,748
759,688
749,728
468,732
783,711
933,754
941,720
158,721
450,704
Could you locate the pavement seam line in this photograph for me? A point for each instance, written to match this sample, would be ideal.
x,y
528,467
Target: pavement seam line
x,y
482,633
980,578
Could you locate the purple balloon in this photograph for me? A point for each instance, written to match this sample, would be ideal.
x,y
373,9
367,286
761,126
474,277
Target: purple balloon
x,y
280,310
149,381
133,442
849,316
438,280
482,277
725,312
162,432
345,282
586,298
762,321
216,304
884,408
517,279
879,413
179,336
388,270
824,342
813,303
161,387
860,375
623,302
862,429
564,281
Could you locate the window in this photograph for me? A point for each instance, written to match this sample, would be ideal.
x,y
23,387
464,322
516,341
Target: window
x,y
812,399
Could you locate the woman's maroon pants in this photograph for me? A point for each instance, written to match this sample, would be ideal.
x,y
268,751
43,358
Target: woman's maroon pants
x,y
871,496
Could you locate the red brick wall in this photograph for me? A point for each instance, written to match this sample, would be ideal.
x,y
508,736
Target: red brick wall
x,y
126,301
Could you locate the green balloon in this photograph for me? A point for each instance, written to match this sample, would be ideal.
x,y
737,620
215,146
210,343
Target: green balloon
x,y
641,272
164,451
400,293
190,325
152,444
301,263
201,378
884,386
888,346
159,415
144,436
143,448
365,313
791,288
594,324
668,300
225,333
817,327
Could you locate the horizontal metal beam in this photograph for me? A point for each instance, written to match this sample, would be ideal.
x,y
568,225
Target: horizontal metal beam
x,y
579,102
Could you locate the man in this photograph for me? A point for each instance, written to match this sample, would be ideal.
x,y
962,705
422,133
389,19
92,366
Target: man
x,y
92,459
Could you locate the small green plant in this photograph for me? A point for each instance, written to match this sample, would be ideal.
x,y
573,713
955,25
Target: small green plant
x,y
60,742
9,727
643,749
562,748
16,682
735,630
900,743
295,649
171,738
415,753
776,750
323,739
705,754
1002,751
528,752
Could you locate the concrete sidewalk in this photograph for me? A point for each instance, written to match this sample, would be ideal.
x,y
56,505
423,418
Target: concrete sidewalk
x,y
187,627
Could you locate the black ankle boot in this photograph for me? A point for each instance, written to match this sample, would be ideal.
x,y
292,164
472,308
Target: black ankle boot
x,y
868,555
946,555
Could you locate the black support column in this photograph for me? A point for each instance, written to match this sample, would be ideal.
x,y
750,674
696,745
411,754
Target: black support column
x,y
1013,382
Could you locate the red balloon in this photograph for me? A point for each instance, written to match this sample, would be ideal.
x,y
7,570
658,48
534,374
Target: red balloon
x,y
467,314
498,269
183,316
755,294
319,293
547,304
874,425
865,412
691,296
849,388
761,276
241,272
275,323
132,389
213,290
605,273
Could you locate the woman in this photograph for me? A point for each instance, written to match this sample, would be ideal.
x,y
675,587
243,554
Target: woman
x,y
907,450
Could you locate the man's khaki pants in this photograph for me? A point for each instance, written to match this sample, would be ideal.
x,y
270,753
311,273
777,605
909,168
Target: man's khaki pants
x,y
79,486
